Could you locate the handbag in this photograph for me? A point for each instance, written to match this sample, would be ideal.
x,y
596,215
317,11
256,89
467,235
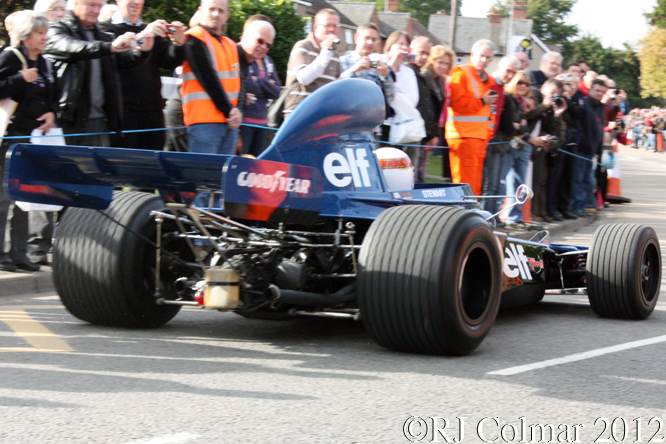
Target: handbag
x,y
276,110
8,106
408,125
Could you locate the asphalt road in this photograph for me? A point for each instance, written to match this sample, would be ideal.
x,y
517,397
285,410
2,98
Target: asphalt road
x,y
209,377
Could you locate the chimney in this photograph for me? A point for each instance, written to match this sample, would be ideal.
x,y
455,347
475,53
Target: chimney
x,y
393,5
495,27
520,10
495,16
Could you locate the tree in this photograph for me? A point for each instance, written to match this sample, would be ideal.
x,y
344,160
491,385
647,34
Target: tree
x,y
501,7
6,8
658,16
170,10
289,26
621,65
549,25
419,9
653,69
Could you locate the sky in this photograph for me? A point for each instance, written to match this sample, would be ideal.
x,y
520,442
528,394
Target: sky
x,y
616,22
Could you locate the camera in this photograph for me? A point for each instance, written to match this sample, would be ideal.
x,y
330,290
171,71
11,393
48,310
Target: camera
x,y
139,42
410,58
374,63
619,123
553,140
171,30
558,99
334,45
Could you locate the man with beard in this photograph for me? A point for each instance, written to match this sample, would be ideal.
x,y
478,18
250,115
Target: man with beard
x,y
551,65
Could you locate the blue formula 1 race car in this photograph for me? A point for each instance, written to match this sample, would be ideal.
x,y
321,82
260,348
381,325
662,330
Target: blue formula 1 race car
x,y
323,224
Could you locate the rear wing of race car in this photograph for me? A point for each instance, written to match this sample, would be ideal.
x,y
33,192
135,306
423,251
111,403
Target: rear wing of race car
x,y
86,177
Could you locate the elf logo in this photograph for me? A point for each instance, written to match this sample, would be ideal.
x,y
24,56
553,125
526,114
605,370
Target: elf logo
x,y
516,263
342,170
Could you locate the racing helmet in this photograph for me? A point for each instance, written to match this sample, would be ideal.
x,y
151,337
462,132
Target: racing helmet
x,y
397,168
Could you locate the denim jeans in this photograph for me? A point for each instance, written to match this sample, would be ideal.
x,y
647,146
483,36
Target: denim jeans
x,y
212,138
495,168
581,185
254,140
520,160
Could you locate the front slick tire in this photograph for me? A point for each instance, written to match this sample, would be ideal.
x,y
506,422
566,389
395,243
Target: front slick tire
x,y
102,272
429,279
624,271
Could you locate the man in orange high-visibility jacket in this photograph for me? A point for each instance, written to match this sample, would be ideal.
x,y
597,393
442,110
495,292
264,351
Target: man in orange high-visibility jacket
x,y
212,92
470,120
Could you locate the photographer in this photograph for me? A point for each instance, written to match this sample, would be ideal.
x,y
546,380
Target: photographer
x,y
547,117
590,142
559,191
365,63
141,86
86,61
314,61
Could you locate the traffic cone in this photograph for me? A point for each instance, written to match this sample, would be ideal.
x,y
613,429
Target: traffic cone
x,y
614,191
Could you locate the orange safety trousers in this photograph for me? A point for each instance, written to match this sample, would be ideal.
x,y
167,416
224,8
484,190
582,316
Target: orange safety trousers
x,y
467,157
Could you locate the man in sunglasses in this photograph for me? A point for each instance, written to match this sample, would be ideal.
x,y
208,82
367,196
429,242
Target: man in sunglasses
x,y
314,61
261,80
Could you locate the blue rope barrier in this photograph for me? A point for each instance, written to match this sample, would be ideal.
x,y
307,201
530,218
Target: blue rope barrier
x,y
254,126
580,157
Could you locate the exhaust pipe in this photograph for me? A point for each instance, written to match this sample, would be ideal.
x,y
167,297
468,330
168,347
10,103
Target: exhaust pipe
x,y
181,285
307,299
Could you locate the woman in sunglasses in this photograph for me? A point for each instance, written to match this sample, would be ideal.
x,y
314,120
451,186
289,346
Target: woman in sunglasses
x,y
261,83
519,99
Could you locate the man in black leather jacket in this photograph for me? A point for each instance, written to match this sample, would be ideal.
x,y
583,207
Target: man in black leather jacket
x,y
85,62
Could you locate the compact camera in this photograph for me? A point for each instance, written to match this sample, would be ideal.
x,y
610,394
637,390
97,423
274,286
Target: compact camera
x,y
334,45
374,63
171,30
137,43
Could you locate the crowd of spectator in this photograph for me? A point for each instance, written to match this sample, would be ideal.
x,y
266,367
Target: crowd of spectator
x,y
91,69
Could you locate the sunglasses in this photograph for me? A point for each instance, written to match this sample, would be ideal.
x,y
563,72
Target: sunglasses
x,y
264,42
524,83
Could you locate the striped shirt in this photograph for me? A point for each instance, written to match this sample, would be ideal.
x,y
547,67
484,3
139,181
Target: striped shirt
x,y
303,54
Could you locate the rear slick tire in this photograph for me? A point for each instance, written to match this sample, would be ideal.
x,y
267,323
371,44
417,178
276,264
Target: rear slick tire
x,y
624,271
429,279
103,273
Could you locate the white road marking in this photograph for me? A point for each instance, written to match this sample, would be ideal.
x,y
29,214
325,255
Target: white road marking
x,y
577,357
169,439
47,298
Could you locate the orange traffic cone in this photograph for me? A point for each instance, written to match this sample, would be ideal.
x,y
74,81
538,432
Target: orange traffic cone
x,y
660,141
614,191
